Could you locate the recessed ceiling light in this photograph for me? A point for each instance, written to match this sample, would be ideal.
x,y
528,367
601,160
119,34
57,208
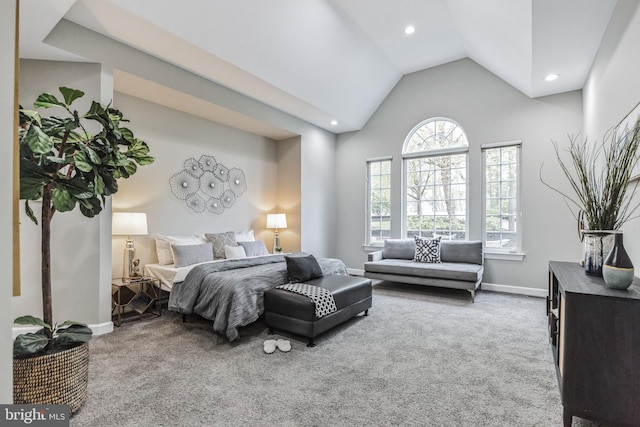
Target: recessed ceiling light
x,y
409,29
551,77
334,122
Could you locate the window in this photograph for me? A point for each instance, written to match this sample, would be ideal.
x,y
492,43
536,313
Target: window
x,y
501,187
379,203
435,168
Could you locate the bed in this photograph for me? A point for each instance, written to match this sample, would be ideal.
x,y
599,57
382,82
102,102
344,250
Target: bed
x,y
229,292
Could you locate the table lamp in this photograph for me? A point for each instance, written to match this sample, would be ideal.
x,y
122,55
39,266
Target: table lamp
x,y
129,224
276,221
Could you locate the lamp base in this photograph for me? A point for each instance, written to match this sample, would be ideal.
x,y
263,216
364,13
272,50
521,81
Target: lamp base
x,y
276,243
130,267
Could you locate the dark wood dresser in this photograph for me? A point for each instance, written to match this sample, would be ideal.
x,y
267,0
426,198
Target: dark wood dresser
x,y
595,338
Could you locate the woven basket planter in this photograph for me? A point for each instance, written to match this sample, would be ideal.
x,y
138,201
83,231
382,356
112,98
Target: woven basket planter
x,y
53,379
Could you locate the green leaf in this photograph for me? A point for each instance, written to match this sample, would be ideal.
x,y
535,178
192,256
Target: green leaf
x,y
93,156
82,162
38,141
61,199
29,212
29,116
90,207
30,343
70,95
46,100
98,184
31,320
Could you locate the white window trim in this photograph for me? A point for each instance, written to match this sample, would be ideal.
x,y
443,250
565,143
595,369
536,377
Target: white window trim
x,y
432,153
515,254
368,245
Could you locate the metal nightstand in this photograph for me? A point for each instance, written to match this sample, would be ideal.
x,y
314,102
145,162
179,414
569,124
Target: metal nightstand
x,y
133,298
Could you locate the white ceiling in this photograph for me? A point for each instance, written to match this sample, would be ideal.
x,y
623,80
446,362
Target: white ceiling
x,y
323,60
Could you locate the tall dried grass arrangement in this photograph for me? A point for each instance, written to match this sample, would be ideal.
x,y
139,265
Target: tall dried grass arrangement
x,y
600,177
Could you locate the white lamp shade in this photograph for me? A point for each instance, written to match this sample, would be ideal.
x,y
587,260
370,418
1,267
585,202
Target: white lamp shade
x,y
277,220
129,223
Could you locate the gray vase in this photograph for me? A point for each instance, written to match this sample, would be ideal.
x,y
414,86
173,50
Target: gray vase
x,y
617,270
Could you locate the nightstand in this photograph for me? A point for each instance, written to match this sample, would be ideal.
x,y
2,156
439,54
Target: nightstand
x,y
133,298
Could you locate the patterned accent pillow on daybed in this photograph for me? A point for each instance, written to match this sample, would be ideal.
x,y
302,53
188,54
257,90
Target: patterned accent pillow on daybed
x,y
427,250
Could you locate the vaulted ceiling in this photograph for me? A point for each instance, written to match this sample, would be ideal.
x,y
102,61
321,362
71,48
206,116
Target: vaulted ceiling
x,y
326,60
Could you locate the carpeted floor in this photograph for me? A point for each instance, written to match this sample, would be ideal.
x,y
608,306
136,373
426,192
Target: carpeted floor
x,y
423,357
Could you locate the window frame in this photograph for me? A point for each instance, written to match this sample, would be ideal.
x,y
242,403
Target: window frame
x,y
436,152
368,214
507,252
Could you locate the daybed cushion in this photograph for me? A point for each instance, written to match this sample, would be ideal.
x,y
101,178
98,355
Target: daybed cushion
x,y
184,255
465,251
302,268
443,270
399,248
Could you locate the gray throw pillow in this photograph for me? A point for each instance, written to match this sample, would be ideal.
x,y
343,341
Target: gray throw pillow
x,y
256,248
219,241
184,255
302,268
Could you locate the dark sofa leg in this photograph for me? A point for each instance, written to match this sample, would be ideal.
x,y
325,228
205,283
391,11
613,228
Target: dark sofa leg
x,y
366,312
184,318
270,330
311,343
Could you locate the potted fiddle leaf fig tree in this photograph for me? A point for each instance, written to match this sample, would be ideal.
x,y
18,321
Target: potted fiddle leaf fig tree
x,y
65,166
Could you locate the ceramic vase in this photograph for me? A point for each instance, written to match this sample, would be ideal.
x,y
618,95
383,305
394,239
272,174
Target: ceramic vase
x,y
617,270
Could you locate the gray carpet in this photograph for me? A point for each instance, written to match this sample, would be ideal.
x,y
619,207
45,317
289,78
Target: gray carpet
x,y
423,357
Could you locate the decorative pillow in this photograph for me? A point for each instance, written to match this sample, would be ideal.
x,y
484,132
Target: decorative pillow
x,y
256,248
219,241
163,245
231,252
427,250
245,236
184,255
301,268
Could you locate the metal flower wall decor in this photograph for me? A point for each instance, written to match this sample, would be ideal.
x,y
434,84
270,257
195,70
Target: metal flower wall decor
x,y
206,185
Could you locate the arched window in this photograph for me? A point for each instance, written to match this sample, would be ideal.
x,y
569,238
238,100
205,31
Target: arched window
x,y
435,168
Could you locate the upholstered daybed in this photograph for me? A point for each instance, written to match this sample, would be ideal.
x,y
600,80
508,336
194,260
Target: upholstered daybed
x,y
461,265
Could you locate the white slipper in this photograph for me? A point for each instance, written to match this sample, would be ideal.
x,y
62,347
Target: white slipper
x,y
269,346
283,345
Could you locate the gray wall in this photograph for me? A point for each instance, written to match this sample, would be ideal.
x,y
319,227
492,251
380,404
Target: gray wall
x,y
613,89
7,51
489,110
174,137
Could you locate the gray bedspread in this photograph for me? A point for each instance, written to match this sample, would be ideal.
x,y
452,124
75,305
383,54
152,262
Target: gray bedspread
x,y
230,293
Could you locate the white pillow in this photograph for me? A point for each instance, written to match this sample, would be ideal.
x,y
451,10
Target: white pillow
x,y
163,245
231,252
245,236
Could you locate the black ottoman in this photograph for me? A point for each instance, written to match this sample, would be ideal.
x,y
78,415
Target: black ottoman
x,y
295,313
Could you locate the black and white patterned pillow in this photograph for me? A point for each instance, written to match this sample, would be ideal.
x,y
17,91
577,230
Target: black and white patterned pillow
x,y
427,250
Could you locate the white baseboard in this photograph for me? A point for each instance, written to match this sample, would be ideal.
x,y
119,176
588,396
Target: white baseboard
x,y
494,287
355,272
98,329
532,292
